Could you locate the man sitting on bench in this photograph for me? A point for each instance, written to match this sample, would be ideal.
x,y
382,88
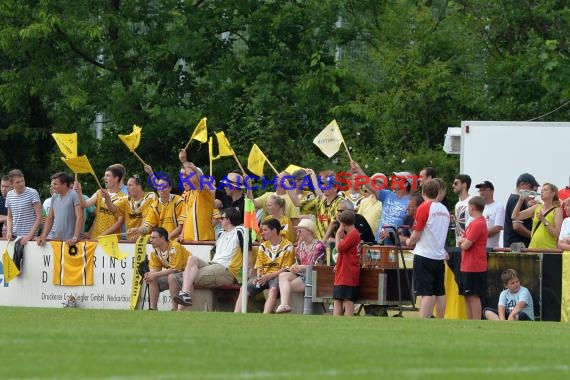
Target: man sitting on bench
x,y
224,268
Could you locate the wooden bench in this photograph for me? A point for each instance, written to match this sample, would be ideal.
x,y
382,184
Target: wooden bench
x,y
224,298
372,289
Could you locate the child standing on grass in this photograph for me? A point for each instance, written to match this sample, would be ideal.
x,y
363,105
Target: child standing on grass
x,y
473,283
515,302
347,268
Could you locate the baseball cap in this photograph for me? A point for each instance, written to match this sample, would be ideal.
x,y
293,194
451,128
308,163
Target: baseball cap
x,y
407,175
485,185
528,178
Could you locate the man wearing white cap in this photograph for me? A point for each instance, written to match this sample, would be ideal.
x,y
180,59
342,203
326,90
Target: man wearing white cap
x,y
494,213
233,185
394,203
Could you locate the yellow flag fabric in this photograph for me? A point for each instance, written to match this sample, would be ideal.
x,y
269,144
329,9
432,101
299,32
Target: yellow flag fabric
x,y
10,269
201,131
330,139
140,255
454,303
133,139
224,147
79,164
211,149
292,169
67,143
565,299
110,245
256,161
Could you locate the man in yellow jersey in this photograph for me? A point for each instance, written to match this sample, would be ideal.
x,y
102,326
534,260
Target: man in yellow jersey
x,y
167,211
105,219
133,209
199,201
226,265
276,254
166,263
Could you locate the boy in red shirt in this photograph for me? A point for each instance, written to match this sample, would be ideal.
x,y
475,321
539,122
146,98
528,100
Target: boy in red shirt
x,y
347,268
473,244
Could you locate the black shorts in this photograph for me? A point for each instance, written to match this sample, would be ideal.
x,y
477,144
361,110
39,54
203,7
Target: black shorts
x,y
428,276
473,284
345,292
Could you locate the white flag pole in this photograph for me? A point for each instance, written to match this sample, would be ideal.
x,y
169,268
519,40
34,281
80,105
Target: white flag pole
x,y
245,266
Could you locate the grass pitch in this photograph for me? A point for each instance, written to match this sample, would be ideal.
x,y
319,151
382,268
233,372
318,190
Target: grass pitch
x,y
107,344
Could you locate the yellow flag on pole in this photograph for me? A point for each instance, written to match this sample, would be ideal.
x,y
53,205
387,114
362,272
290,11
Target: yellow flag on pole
x,y
67,143
224,147
211,149
292,169
10,269
110,245
79,164
330,139
201,131
256,160
133,139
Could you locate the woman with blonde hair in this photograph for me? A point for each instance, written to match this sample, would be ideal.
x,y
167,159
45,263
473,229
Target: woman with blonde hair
x,y
309,251
276,210
547,217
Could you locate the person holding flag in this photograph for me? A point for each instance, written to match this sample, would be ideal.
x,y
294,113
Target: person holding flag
x,y
199,203
105,219
133,209
168,211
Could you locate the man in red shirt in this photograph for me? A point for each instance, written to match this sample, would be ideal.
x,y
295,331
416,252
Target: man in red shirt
x,y
473,282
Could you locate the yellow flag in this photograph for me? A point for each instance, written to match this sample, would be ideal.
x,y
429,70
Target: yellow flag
x,y
110,245
330,139
133,139
224,147
201,131
292,169
10,269
256,160
79,164
67,143
211,149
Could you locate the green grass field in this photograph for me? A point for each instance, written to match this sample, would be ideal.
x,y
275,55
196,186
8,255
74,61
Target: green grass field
x,y
95,344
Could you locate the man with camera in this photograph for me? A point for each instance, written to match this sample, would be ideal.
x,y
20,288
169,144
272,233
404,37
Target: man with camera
x,y
516,231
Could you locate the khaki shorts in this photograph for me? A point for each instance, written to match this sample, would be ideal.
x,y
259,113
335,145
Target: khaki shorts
x,y
163,281
211,275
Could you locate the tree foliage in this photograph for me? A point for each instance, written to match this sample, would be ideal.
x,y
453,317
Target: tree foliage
x,y
394,74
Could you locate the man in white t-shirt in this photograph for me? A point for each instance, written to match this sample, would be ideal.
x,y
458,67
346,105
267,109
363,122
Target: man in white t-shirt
x,y
494,214
461,185
431,222
564,237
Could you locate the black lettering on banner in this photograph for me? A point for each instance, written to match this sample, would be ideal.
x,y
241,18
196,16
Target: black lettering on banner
x,y
44,277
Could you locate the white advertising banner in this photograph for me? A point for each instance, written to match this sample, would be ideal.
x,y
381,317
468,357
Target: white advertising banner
x,y
112,280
